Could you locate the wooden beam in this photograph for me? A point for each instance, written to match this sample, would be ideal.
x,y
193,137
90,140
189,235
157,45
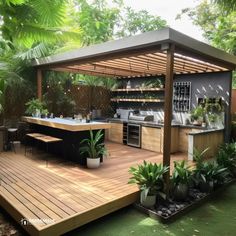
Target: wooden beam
x,y
168,111
39,84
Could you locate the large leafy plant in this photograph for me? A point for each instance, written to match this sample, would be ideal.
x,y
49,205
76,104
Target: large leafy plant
x,y
149,177
94,147
181,173
33,105
226,157
198,113
211,171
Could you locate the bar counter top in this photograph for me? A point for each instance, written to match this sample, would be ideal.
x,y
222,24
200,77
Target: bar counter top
x,y
66,124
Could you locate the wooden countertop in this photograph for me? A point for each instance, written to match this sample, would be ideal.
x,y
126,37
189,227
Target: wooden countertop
x,y
66,124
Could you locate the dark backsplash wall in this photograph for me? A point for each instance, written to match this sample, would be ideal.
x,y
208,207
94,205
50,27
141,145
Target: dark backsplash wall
x,y
210,85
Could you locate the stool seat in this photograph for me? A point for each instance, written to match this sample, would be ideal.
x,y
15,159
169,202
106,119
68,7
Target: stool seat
x,y
48,139
35,135
12,130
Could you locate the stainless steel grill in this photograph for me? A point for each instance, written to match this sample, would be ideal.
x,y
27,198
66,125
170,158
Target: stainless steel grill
x,y
136,116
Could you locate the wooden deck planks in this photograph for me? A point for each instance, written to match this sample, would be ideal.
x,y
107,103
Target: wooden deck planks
x,y
66,192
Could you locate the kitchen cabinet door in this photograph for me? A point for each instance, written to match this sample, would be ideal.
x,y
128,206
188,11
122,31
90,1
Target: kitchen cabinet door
x,y
151,139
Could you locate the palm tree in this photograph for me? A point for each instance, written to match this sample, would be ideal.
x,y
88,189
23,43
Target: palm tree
x,y
33,24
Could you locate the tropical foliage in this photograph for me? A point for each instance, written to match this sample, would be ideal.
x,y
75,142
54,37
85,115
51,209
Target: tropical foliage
x,y
217,19
94,147
181,173
149,177
226,157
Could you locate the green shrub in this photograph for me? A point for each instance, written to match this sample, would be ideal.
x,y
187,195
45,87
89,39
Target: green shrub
x,y
181,173
149,177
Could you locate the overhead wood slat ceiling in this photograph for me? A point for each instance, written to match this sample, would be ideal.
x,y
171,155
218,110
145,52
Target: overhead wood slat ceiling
x,y
139,65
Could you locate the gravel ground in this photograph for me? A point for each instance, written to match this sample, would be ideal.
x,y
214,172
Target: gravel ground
x,y
7,226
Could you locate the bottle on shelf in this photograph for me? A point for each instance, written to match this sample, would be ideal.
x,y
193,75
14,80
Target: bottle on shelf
x,y
128,86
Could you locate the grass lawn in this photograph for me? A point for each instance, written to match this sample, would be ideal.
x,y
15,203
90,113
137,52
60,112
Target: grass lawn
x,y
216,217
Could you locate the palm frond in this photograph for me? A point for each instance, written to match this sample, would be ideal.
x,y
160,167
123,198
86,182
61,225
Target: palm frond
x,y
50,16
38,51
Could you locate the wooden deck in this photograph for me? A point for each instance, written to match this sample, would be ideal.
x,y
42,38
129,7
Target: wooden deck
x,y
64,196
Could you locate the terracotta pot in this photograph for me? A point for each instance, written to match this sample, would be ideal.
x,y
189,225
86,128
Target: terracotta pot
x,y
181,192
93,163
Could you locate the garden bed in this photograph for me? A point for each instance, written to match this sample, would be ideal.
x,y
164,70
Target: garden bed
x,y
166,212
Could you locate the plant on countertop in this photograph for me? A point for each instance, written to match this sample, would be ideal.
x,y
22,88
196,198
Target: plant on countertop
x,y
94,148
44,113
180,179
149,178
198,115
212,117
33,105
213,107
226,157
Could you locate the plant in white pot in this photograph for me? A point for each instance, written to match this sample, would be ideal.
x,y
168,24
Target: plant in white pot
x,y
149,178
94,148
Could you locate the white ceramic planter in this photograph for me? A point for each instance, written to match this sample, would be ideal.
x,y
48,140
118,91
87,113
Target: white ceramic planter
x,y
149,201
93,163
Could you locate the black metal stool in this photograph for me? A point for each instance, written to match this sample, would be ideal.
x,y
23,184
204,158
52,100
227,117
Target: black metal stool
x,y
12,137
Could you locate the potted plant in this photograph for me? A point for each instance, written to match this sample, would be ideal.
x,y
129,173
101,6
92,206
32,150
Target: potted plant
x,y
33,106
212,118
149,178
44,113
94,148
207,174
226,157
180,179
198,115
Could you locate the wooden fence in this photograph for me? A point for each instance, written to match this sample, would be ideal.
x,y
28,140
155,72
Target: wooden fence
x,y
90,97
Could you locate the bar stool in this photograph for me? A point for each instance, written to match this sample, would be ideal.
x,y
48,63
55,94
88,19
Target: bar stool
x,y
12,137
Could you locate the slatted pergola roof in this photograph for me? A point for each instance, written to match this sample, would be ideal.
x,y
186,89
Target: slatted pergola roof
x,y
141,55
162,52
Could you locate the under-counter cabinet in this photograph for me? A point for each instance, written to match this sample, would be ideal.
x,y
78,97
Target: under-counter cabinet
x,y
115,133
151,139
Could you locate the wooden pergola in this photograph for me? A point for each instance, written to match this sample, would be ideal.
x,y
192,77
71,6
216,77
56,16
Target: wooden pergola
x,y
163,52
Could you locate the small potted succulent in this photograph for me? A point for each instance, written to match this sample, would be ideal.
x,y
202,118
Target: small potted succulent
x,y
94,148
149,178
180,180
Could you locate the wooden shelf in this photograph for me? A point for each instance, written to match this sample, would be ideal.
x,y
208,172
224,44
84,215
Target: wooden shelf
x,y
138,89
136,100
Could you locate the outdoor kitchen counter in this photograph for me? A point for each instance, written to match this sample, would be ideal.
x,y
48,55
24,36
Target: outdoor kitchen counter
x,y
183,137
202,139
70,131
66,124
154,124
